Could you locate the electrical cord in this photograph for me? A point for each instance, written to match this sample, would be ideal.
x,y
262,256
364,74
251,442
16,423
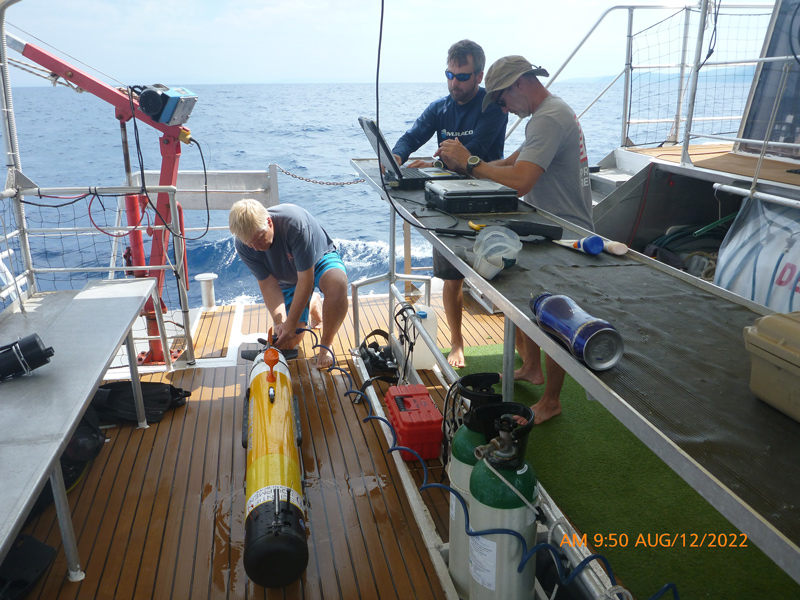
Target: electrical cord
x,y
408,336
192,140
100,229
316,344
449,422
712,43
384,185
143,187
73,200
431,207
675,238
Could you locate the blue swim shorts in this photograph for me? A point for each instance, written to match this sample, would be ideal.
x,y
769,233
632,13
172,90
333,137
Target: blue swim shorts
x,y
331,260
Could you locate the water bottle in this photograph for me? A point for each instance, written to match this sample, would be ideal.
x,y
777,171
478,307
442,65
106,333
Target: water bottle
x,y
591,340
423,357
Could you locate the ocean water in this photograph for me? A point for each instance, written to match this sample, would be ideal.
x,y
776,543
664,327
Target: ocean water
x,y
69,139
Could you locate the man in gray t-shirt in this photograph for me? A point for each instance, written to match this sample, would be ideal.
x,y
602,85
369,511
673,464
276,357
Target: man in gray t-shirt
x,y
550,169
554,142
289,254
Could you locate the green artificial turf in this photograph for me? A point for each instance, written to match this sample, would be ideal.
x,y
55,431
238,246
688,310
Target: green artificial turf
x,y
608,482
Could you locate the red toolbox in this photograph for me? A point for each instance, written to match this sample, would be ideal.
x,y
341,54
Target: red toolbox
x,y
416,419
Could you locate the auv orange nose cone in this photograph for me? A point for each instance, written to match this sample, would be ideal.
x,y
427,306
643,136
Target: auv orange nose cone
x,y
271,358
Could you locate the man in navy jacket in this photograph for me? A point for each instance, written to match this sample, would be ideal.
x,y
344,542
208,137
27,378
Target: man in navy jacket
x,y
457,116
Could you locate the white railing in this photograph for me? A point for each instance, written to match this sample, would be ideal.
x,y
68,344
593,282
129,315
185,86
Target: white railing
x,y
673,103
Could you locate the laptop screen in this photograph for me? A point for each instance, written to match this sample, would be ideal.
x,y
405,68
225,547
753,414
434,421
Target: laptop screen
x,y
380,146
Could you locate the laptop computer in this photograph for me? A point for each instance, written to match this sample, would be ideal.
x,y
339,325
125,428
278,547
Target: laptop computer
x,y
470,196
402,178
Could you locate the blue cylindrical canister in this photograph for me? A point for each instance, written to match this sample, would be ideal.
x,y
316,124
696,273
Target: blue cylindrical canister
x,y
591,340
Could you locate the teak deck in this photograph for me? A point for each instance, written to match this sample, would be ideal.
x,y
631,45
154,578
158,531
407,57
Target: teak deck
x,y
160,513
719,157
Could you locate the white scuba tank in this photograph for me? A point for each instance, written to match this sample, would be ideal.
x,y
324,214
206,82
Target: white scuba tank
x,y
458,562
477,388
495,557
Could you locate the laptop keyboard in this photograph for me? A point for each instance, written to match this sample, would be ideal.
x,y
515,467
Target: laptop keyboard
x,y
409,173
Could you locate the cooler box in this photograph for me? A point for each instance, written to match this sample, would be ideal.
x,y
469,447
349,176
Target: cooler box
x,y
416,419
774,345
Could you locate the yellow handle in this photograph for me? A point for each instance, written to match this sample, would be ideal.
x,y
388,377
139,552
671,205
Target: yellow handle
x,y
475,226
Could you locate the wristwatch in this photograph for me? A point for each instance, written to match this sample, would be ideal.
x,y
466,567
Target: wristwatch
x,y
472,162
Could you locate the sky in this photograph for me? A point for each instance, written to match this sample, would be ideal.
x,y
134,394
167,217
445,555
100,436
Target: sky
x,y
183,42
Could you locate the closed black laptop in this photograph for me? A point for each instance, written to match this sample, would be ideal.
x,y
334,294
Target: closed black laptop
x,y
471,196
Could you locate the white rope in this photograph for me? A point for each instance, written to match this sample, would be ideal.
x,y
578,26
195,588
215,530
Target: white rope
x,y
68,55
38,71
614,592
515,490
559,521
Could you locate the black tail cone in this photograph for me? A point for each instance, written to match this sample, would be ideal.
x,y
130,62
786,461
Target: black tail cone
x,y
275,547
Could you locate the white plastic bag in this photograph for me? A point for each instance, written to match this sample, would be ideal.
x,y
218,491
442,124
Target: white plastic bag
x,y
760,257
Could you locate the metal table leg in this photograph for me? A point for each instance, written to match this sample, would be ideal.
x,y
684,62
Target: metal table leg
x,y
135,382
74,572
509,332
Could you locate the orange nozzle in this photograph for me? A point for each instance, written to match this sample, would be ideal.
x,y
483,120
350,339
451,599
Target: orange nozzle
x,y
271,358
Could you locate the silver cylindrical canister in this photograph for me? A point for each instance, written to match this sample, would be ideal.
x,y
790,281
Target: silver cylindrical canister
x,y
206,281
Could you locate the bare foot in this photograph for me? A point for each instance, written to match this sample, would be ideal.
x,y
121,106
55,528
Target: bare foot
x,y
315,311
530,373
324,359
456,357
545,410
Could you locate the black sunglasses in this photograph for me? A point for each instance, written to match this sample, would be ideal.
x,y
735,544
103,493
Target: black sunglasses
x,y
460,76
500,102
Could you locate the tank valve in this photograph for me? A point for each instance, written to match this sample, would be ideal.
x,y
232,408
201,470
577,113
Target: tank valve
x,y
486,449
504,446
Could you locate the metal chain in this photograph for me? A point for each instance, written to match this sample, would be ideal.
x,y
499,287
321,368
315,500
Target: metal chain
x,y
285,172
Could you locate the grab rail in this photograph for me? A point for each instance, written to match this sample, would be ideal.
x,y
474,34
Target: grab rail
x,y
700,6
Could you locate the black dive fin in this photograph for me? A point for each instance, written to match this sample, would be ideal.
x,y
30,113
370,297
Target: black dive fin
x,y
249,354
114,401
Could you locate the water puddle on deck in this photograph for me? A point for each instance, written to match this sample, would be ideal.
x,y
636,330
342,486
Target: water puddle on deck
x,y
226,568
